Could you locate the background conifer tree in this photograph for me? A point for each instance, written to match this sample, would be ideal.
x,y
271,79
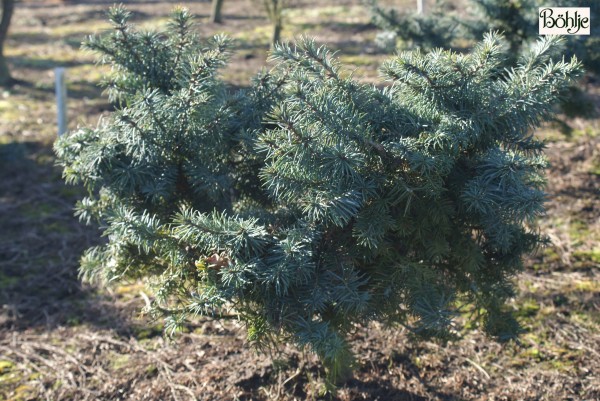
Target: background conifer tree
x,y
517,21
311,202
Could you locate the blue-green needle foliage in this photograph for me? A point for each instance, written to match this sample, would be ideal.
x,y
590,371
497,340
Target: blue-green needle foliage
x,y
311,202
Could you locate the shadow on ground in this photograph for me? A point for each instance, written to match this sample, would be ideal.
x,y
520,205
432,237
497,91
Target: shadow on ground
x,y
40,245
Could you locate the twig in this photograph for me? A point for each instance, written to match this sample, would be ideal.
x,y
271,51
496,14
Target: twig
x,y
478,367
292,377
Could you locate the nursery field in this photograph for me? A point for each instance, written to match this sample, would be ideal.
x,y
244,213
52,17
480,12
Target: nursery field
x,y
63,340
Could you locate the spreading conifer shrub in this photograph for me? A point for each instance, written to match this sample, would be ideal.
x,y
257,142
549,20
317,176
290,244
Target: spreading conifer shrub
x,y
310,202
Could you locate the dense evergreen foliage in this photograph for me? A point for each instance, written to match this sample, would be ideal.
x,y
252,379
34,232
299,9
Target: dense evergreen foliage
x,y
310,202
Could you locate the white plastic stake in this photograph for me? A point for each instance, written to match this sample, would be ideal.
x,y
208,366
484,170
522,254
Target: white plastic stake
x,y
61,99
420,6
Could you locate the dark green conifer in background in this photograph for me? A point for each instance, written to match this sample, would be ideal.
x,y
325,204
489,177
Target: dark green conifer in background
x,y
310,202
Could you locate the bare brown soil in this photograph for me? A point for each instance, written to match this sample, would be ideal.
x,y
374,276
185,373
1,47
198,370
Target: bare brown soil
x,y
61,340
